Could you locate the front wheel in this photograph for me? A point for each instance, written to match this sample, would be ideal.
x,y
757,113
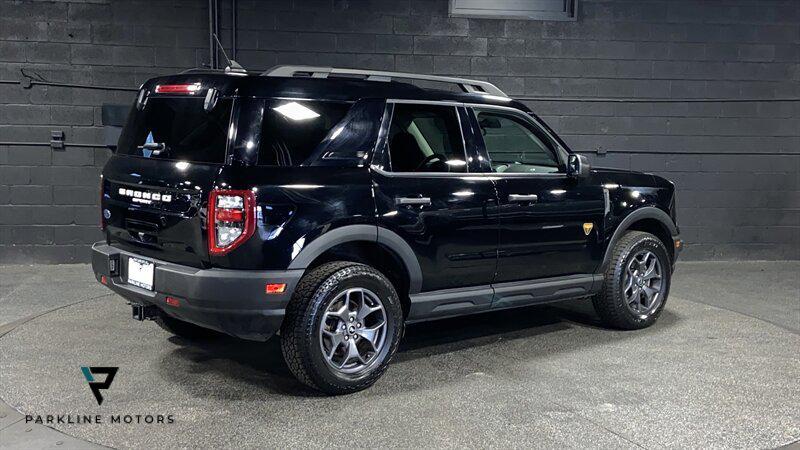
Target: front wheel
x,y
636,282
341,328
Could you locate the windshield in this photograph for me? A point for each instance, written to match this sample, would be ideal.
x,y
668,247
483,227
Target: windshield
x,y
177,128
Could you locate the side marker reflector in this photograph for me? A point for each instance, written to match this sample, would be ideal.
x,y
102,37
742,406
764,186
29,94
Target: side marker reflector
x,y
103,279
172,301
276,288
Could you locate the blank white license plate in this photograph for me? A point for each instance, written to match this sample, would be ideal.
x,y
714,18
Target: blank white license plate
x,y
140,273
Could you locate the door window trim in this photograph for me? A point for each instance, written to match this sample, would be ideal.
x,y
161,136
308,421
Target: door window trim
x,y
383,144
560,152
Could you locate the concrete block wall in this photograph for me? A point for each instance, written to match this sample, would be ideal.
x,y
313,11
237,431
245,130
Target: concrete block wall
x,y
736,165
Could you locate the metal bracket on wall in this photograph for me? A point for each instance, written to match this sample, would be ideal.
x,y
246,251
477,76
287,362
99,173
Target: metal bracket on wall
x,y
57,140
600,151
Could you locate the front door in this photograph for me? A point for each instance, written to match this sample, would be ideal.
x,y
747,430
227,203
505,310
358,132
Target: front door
x,y
425,193
550,225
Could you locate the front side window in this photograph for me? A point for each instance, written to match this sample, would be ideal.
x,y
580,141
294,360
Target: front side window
x,y
426,138
515,146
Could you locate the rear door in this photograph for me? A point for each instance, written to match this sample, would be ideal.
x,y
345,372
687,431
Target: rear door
x,y
154,187
426,192
550,225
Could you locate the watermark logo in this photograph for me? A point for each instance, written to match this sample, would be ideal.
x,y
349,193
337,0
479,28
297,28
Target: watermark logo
x,y
90,372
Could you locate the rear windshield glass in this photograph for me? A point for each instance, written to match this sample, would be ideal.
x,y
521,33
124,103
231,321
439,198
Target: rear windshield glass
x,y
292,130
177,128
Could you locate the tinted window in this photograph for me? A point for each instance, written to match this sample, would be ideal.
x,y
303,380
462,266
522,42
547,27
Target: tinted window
x,y
177,128
426,138
350,142
292,130
514,145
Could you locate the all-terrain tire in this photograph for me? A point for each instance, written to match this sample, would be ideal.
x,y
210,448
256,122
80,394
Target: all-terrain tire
x,y
184,329
300,341
610,303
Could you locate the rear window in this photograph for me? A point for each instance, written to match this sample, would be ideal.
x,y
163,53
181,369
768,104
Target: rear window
x,y
177,128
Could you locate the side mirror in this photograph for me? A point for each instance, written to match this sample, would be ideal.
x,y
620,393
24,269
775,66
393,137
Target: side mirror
x,y
577,166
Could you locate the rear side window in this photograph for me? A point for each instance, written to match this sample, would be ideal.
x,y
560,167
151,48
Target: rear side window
x,y
293,129
177,128
426,138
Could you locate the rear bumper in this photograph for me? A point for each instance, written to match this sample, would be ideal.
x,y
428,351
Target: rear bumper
x,y
231,301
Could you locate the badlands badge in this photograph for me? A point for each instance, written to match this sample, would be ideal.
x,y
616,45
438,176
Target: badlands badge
x,y
587,228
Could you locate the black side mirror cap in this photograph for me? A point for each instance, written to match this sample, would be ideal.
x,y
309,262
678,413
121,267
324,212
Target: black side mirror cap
x,y
577,166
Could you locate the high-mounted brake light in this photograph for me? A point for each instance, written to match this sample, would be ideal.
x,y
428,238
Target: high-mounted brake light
x,y
231,219
178,88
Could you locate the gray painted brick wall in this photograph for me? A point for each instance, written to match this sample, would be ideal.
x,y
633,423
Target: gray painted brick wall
x,y
731,206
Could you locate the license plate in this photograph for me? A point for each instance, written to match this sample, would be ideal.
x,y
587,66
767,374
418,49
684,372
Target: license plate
x,y
140,273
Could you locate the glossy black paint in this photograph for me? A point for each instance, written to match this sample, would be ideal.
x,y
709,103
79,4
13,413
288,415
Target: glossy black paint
x,y
327,89
454,237
469,235
295,206
546,238
173,231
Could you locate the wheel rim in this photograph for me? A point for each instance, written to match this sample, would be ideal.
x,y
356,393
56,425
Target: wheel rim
x,y
643,283
352,332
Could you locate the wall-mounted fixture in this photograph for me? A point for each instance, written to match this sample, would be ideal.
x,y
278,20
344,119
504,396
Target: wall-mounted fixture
x,y
564,10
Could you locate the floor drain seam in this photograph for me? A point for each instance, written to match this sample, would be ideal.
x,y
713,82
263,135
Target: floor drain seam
x,y
11,326
21,418
783,327
587,419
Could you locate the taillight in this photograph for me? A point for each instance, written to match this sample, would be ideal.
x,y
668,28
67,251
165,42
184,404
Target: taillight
x,y
178,88
231,219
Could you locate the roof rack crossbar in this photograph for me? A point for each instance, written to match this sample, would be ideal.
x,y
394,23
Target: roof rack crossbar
x,y
472,86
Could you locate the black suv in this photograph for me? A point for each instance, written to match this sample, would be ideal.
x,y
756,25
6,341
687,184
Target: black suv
x,y
335,206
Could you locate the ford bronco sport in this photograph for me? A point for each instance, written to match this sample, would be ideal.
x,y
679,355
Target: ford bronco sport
x,y
335,206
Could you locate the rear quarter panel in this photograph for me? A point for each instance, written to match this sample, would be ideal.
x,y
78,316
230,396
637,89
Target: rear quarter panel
x,y
295,206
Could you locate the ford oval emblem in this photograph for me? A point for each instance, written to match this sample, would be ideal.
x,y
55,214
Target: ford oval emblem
x,y
106,214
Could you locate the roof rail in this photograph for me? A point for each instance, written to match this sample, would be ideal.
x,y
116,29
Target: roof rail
x,y
230,70
472,86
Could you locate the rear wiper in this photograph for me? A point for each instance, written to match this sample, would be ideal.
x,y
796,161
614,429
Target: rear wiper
x,y
155,147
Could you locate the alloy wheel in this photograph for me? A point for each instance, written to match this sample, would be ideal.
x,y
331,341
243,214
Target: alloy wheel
x,y
353,331
642,284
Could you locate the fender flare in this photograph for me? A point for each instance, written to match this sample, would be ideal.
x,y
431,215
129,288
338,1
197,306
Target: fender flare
x,y
646,212
368,233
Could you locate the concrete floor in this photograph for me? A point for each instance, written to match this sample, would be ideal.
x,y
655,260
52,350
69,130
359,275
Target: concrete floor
x,y
719,369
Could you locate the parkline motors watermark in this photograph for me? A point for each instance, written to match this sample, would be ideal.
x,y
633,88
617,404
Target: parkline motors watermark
x,y
96,385
86,419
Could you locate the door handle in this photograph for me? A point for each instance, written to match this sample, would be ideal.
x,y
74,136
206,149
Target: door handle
x,y
523,197
412,201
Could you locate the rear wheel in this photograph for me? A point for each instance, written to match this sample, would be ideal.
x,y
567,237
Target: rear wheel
x,y
636,282
341,328
184,329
